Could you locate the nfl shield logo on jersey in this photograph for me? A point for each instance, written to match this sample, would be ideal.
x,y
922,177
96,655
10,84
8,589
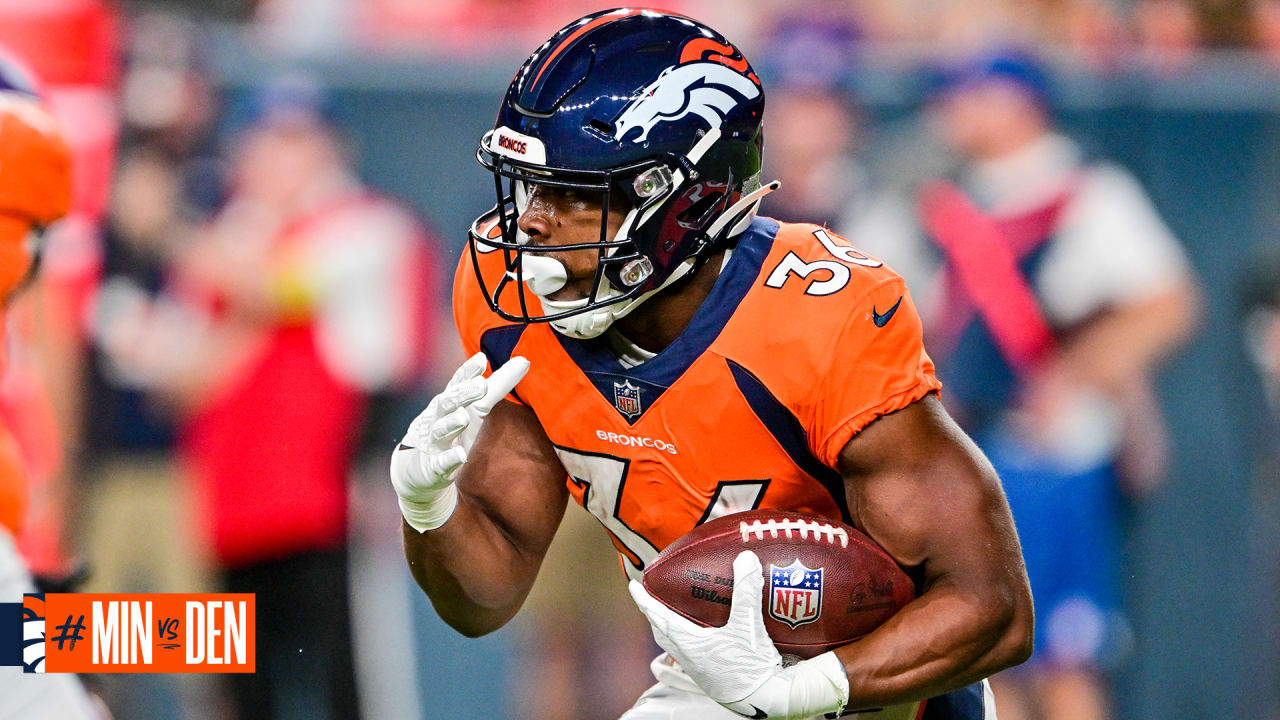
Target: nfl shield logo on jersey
x,y
795,594
627,398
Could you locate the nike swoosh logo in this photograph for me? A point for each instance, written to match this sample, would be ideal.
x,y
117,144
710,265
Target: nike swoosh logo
x,y
406,447
759,713
881,319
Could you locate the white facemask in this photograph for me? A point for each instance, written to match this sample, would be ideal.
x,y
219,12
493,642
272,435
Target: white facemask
x,y
544,276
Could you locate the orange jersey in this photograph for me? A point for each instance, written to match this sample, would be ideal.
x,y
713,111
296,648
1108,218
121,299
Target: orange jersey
x,y
13,484
801,343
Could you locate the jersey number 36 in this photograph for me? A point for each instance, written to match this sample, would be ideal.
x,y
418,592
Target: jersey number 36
x,y
792,266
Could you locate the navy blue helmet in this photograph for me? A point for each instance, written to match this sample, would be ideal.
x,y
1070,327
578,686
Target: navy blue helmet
x,y
639,106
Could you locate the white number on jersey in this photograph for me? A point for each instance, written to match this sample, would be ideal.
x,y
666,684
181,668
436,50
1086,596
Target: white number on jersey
x,y
791,264
603,479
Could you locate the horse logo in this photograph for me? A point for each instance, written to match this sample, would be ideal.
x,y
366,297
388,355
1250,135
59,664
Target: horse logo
x,y
708,89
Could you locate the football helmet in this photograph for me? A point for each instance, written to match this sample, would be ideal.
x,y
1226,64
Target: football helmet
x,y
644,106
35,175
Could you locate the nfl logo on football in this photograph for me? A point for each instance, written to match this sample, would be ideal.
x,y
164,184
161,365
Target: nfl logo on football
x,y
795,594
627,398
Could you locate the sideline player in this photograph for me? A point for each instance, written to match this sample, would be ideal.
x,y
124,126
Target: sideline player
x,y
35,190
679,358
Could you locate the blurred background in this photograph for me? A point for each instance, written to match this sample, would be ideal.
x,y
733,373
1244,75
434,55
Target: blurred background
x,y
250,301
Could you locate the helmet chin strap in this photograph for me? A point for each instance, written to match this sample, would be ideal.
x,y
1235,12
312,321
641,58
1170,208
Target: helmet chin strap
x,y
587,325
544,275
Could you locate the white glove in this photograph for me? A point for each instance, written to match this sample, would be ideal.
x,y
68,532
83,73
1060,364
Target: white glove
x,y
737,665
438,440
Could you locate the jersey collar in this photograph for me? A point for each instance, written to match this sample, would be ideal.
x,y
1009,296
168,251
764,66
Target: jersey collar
x,y
643,384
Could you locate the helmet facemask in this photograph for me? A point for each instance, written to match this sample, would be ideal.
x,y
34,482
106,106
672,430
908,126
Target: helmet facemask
x,y
664,199
626,272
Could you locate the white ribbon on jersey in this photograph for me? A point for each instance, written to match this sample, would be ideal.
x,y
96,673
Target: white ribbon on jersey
x,y
544,275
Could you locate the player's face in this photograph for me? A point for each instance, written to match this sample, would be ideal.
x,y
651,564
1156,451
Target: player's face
x,y
561,216
986,119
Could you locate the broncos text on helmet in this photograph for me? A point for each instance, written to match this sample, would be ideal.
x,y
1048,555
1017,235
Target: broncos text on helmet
x,y
648,106
35,174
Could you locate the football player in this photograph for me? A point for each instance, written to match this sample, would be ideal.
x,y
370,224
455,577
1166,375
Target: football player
x,y
663,355
35,190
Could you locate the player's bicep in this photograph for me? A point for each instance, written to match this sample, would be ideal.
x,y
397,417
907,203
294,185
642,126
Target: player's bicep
x,y
513,476
920,487
876,365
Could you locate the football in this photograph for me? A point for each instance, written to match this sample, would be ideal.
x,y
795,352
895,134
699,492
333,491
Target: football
x,y
825,583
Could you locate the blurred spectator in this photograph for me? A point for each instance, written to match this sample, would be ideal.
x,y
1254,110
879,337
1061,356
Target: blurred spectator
x,y
813,123
1050,288
133,526
304,295
1266,28
1167,31
136,514
1261,299
1261,290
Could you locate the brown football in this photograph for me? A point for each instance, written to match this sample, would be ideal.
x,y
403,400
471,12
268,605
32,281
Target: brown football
x,y
825,583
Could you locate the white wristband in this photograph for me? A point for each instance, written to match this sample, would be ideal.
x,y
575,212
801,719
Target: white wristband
x,y
433,510
807,689
820,685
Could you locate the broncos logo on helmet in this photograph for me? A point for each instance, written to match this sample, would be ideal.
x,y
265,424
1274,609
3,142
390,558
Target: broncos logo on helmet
x,y
707,89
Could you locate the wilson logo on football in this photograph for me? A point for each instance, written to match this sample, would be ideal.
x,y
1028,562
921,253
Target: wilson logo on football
x,y
708,82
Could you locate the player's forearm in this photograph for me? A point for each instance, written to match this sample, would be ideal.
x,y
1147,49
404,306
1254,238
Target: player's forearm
x,y
475,576
1116,348
946,639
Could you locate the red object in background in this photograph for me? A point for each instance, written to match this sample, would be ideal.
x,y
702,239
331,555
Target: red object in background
x,y
826,584
66,42
271,454
270,450
71,46
983,274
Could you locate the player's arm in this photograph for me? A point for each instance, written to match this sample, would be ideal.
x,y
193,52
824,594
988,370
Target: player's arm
x,y
482,494
918,486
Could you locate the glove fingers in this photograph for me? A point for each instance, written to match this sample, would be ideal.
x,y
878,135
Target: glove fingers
x,y
444,464
414,436
661,617
460,395
448,427
748,586
473,367
501,382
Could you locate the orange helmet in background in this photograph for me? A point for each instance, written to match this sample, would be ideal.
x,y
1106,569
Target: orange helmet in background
x,y
35,174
